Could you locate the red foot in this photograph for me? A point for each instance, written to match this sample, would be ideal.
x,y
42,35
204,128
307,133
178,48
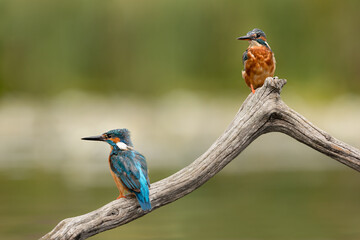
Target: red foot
x,y
252,89
120,196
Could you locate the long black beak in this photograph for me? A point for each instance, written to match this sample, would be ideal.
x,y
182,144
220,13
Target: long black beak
x,y
245,38
94,138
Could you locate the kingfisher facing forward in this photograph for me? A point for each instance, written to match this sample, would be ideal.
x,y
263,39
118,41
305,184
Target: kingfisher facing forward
x,y
127,166
258,59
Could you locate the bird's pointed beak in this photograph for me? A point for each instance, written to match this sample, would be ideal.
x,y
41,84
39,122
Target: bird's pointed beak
x,y
247,37
94,138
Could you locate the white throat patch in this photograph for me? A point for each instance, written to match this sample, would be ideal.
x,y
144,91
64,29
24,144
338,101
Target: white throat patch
x,y
122,146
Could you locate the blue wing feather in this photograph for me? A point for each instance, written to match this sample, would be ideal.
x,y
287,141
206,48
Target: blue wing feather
x,y
143,166
143,195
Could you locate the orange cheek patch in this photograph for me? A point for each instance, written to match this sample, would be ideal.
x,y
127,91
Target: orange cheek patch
x,y
115,140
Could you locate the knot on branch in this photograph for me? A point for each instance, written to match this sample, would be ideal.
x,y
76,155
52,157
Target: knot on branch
x,y
113,212
275,82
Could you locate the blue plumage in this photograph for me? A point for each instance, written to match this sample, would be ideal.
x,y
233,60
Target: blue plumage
x,y
143,195
128,166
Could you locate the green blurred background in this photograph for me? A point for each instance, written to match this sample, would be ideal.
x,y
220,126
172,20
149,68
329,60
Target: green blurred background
x,y
170,71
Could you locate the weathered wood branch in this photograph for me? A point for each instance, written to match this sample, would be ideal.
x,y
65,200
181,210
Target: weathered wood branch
x,y
261,113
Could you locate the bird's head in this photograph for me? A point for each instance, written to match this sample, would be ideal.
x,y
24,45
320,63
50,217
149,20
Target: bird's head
x,y
255,37
116,137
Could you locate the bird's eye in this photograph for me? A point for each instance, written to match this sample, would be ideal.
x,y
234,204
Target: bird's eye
x,y
258,35
107,136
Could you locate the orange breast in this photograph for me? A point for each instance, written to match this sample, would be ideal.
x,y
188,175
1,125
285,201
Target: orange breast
x,y
259,65
119,185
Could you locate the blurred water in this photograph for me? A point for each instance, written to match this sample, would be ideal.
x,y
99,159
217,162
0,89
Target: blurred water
x,y
171,131
259,205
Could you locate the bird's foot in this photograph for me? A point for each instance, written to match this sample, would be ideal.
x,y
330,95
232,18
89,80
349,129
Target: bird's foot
x,y
252,89
125,195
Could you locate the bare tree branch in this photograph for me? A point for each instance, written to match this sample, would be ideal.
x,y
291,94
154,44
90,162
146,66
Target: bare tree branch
x,y
261,113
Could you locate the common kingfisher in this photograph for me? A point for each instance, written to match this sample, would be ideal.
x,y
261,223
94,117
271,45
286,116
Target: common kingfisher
x,y
127,166
258,59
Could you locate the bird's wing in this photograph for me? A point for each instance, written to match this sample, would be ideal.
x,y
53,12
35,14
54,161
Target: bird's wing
x,y
141,159
125,166
245,56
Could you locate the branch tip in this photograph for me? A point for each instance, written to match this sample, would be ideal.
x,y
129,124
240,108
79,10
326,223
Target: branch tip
x,y
275,82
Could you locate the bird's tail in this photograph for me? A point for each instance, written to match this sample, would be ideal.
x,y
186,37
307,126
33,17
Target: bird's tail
x,y
143,199
143,195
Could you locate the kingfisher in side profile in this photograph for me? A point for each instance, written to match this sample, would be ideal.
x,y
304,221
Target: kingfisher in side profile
x,y
258,59
127,166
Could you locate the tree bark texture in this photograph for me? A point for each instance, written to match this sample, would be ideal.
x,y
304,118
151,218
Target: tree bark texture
x,y
260,113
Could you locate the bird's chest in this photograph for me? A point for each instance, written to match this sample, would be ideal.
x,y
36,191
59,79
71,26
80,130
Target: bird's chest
x,y
260,60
